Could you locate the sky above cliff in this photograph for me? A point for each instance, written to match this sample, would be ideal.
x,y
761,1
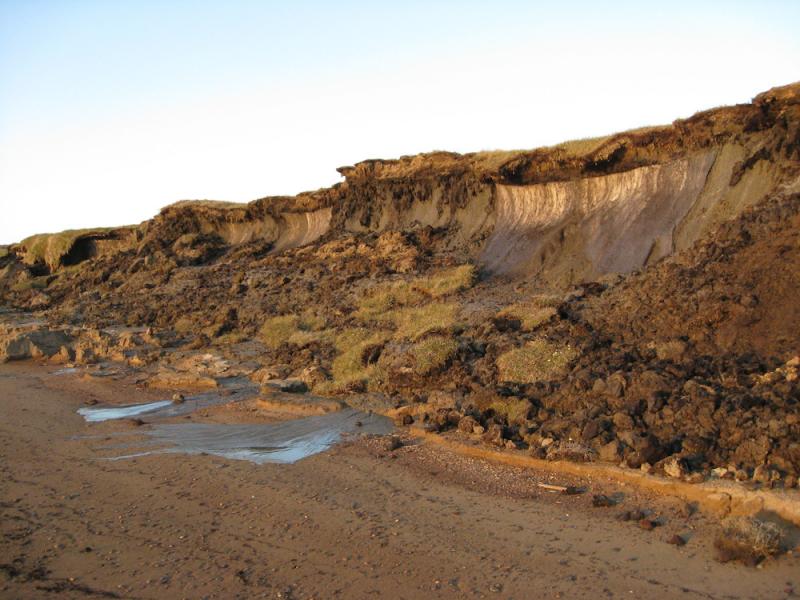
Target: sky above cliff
x,y
111,110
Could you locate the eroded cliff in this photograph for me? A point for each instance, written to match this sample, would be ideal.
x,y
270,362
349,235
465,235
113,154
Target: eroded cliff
x,y
628,299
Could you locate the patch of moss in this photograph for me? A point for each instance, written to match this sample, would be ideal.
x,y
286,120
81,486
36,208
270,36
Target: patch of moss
x,y
538,360
433,353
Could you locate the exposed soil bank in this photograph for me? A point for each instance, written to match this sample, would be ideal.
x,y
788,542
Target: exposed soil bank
x,y
351,523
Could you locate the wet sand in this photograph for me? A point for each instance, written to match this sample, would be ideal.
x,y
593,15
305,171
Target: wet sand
x,y
356,521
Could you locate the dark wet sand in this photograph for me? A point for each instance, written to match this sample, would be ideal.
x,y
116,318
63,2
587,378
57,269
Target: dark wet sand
x,y
349,523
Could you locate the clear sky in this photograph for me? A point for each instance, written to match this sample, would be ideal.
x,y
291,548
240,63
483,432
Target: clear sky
x,y
110,110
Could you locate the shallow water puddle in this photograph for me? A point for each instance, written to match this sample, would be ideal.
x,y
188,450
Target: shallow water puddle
x,y
96,415
282,442
65,371
159,409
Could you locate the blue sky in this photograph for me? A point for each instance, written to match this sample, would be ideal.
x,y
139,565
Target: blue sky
x,y
110,110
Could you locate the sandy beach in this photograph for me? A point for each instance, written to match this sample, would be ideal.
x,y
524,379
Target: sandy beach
x,y
357,521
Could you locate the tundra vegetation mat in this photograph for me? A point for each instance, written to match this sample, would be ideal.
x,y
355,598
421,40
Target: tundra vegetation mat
x,y
630,299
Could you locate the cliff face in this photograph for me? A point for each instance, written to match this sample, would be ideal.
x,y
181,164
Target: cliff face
x,y
564,214
582,229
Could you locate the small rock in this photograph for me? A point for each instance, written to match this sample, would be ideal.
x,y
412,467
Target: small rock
x,y
610,452
761,474
443,399
648,524
602,501
391,442
289,386
673,467
359,424
408,420
632,515
494,435
673,350
467,424
178,398
623,421
695,478
590,431
676,540
615,385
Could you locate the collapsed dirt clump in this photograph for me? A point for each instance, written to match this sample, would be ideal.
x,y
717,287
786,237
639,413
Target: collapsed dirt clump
x,y
630,299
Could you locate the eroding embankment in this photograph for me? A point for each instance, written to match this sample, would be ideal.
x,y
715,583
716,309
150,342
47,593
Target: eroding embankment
x,y
373,286
579,230
563,214
582,229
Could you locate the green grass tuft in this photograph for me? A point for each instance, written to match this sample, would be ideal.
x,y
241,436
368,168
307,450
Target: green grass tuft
x,y
433,353
49,248
350,368
534,311
385,298
538,360
414,322
293,329
447,281
33,283
514,410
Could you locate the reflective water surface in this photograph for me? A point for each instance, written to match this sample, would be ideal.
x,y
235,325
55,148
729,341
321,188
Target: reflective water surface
x,y
282,442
